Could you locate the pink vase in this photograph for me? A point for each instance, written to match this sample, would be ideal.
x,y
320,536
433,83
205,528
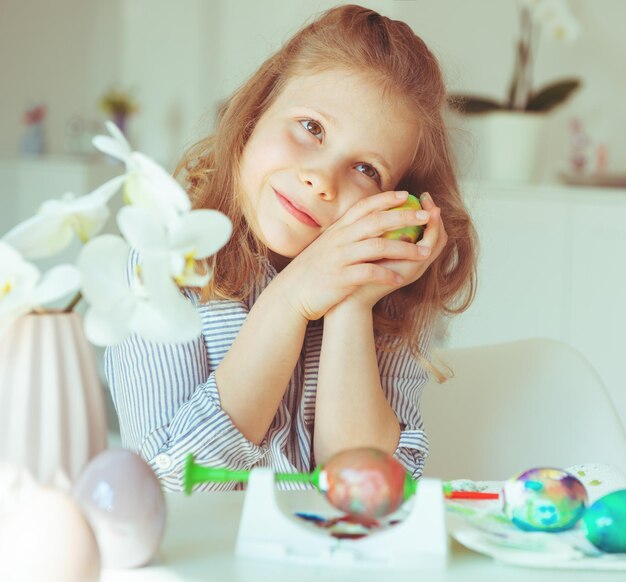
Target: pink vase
x,y
52,412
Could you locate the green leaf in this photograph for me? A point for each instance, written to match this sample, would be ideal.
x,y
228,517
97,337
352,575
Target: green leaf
x,y
552,95
468,105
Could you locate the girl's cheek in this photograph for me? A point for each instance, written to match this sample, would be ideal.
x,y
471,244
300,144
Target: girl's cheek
x,y
281,147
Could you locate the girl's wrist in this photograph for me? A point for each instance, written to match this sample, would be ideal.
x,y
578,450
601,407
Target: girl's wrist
x,y
350,307
283,289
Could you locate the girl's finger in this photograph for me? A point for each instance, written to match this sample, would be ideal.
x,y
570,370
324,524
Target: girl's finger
x,y
376,224
375,249
433,231
426,201
382,201
364,273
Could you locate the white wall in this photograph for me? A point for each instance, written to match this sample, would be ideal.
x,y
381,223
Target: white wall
x,y
63,53
168,56
475,43
182,57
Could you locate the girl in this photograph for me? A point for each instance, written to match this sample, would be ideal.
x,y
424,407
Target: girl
x,y
316,330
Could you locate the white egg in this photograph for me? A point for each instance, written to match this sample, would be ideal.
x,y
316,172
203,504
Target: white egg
x,y
122,498
46,537
15,483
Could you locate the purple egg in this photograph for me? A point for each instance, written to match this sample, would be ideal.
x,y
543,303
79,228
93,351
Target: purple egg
x,y
122,499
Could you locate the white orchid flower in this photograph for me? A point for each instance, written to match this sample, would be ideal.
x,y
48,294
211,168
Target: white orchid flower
x,y
57,222
152,306
147,184
555,18
22,288
562,26
184,240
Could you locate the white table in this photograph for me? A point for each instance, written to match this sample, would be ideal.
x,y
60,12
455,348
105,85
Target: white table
x,y
200,540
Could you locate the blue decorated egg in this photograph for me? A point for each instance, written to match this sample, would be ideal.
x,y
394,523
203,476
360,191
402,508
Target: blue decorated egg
x,y
604,523
544,499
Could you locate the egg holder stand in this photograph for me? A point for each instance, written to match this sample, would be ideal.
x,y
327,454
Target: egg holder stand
x,y
418,542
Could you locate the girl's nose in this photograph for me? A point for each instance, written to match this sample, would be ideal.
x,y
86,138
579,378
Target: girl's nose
x,y
320,183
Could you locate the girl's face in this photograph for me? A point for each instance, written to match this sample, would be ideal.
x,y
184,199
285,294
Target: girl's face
x,y
328,140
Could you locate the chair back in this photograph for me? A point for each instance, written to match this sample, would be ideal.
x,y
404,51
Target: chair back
x,y
518,405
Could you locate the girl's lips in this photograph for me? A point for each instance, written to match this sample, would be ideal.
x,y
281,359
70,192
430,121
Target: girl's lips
x,y
296,212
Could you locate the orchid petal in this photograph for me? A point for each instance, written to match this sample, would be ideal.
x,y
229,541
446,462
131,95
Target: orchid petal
x,y
15,271
162,192
10,258
106,328
87,225
118,135
56,207
42,235
100,196
102,263
205,231
168,316
57,283
142,229
179,325
18,280
135,194
107,145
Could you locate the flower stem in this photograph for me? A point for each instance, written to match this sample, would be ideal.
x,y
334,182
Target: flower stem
x,y
73,303
520,91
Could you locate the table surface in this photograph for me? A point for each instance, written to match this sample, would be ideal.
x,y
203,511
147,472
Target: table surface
x,y
199,544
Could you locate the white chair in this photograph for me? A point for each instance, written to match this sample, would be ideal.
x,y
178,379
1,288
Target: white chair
x,y
518,405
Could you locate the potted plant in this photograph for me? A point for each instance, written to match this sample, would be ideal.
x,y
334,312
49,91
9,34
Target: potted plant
x,y
52,416
508,130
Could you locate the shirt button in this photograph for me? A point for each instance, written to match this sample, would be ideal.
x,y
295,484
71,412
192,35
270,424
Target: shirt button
x,y
163,461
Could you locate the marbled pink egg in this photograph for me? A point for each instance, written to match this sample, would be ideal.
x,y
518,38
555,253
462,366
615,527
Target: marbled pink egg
x,y
364,482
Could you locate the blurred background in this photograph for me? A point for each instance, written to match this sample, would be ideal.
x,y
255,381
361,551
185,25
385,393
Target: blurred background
x,y
552,237
179,59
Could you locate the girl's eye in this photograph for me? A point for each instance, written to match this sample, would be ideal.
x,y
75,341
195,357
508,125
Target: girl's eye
x,y
313,127
370,171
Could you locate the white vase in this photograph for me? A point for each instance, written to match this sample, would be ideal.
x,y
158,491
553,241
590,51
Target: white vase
x,y
52,411
506,144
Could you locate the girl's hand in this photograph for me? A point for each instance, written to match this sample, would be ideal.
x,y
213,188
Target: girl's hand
x,y
351,254
429,247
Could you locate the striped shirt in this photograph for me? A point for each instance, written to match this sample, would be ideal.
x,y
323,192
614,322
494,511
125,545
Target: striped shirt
x,y
168,403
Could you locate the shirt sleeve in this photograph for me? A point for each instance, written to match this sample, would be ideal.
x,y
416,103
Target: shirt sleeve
x,y
168,402
403,379
168,406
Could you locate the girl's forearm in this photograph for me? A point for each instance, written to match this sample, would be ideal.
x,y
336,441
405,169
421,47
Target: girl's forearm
x,y
351,408
254,374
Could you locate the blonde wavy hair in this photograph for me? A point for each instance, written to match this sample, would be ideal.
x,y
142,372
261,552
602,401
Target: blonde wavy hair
x,y
359,39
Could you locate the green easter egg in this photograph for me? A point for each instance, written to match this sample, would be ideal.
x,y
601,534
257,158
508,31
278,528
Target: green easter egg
x,y
604,523
409,233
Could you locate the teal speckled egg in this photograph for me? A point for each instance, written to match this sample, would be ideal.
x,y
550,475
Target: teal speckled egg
x,y
604,523
544,499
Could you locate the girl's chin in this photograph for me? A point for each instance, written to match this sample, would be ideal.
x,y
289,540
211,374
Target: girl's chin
x,y
285,246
